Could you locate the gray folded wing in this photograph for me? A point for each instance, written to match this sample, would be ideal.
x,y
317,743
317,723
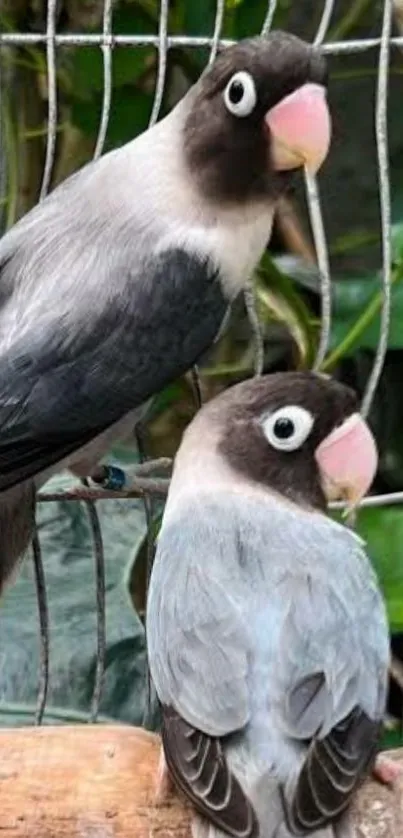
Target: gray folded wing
x,y
61,383
198,654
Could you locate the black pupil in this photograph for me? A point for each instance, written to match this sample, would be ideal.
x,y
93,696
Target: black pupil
x,y
236,92
283,428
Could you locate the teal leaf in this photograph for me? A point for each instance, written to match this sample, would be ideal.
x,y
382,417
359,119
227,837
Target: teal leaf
x,y
276,295
128,63
351,295
391,739
130,112
350,298
249,16
69,568
382,530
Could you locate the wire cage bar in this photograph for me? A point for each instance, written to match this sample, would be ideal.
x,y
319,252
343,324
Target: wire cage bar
x,y
148,487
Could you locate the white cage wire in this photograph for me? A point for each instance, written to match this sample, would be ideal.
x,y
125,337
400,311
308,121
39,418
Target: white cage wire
x,y
107,41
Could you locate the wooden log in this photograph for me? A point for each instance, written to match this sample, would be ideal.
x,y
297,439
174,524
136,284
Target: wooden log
x,y
99,782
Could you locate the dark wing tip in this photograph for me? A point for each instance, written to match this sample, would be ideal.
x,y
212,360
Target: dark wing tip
x,y
333,769
199,768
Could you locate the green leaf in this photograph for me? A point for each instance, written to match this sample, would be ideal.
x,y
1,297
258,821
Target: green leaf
x,y
87,71
198,18
391,739
386,417
129,116
69,569
249,16
382,530
165,399
128,64
278,299
397,242
131,107
350,298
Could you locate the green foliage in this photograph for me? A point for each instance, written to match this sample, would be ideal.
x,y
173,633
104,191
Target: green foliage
x,y
382,530
129,116
279,300
131,105
358,300
248,16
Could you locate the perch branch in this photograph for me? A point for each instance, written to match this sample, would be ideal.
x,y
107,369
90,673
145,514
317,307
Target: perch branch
x,y
81,781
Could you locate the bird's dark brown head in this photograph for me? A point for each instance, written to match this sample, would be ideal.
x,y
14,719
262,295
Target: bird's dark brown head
x,y
299,434
257,114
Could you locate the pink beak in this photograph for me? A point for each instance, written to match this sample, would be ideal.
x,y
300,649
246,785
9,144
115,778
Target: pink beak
x,y
348,460
300,129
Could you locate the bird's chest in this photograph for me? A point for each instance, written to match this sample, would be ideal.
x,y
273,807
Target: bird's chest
x,y
238,247
234,242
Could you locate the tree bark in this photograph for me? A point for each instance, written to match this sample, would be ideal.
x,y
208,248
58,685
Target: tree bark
x,y
99,782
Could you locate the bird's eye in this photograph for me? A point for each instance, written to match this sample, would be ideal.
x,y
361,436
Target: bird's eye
x,y
288,428
240,94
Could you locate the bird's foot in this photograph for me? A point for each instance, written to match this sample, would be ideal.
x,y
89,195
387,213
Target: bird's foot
x,y
116,479
386,770
164,785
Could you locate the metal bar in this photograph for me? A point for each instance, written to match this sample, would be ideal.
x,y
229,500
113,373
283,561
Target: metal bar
x,y
107,95
390,499
268,21
162,61
138,489
318,227
96,40
43,613
50,40
318,230
219,18
381,131
100,604
78,495
320,36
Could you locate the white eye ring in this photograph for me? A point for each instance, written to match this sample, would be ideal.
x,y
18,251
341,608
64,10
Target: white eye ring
x,y
293,437
240,94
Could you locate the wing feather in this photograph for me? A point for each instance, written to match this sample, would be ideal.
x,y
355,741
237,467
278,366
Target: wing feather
x,y
200,769
199,655
60,388
333,769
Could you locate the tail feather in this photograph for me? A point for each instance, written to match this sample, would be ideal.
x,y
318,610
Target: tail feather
x,y
17,522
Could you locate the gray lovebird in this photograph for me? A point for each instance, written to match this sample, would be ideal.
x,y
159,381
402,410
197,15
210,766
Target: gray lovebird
x,y
120,279
267,634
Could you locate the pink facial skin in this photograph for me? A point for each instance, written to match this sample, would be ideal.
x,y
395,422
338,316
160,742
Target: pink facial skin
x,y
348,459
300,129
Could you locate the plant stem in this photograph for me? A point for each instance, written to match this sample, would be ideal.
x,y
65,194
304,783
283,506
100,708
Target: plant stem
x,y
359,326
345,244
350,19
12,163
